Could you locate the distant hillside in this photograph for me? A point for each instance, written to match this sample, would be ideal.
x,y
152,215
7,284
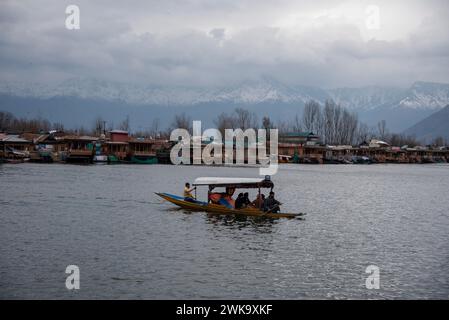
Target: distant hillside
x,y
436,125
77,102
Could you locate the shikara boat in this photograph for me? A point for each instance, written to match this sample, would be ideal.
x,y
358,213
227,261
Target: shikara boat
x,y
235,183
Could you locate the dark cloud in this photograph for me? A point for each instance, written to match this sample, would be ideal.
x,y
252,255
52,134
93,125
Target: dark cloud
x,y
218,33
220,42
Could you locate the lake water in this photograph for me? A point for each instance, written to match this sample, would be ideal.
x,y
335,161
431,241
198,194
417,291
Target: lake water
x,y
128,243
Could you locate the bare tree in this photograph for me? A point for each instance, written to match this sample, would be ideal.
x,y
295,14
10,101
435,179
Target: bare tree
x,y
245,119
328,122
439,142
125,124
337,124
154,129
363,133
283,127
82,131
58,126
382,129
98,125
182,121
6,120
110,126
400,140
348,127
296,124
311,118
225,121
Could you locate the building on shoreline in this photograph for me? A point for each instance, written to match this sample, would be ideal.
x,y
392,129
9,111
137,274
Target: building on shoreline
x,y
117,147
120,147
14,147
123,148
306,147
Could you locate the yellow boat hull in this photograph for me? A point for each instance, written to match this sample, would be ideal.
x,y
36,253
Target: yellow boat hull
x,y
219,209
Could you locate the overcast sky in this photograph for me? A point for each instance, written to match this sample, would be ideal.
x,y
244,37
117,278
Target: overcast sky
x,y
210,42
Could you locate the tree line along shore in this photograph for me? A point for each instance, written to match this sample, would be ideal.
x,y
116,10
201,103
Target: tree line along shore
x,y
323,134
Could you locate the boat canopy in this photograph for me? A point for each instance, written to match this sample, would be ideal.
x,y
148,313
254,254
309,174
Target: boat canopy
x,y
234,182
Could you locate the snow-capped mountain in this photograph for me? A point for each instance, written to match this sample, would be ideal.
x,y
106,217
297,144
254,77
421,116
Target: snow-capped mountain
x,y
249,92
367,98
76,102
421,95
425,94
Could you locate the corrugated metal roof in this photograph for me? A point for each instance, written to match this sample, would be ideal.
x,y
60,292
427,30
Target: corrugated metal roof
x,y
73,137
298,134
14,138
29,136
137,140
118,131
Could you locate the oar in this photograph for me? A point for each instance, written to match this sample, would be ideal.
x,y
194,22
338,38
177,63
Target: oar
x,y
276,206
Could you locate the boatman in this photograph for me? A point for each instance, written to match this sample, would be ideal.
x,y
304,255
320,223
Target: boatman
x,y
188,193
271,204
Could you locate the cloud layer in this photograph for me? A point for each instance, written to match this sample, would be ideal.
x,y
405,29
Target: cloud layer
x,y
206,42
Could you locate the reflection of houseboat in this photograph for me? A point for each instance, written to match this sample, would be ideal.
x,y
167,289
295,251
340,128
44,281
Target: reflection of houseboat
x,y
361,160
100,158
284,158
143,159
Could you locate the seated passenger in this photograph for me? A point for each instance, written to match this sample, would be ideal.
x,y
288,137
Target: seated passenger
x,y
259,201
227,202
240,201
246,202
228,197
222,198
215,197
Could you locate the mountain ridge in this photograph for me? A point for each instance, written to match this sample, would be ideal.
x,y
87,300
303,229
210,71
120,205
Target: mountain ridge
x,y
434,126
421,95
84,99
